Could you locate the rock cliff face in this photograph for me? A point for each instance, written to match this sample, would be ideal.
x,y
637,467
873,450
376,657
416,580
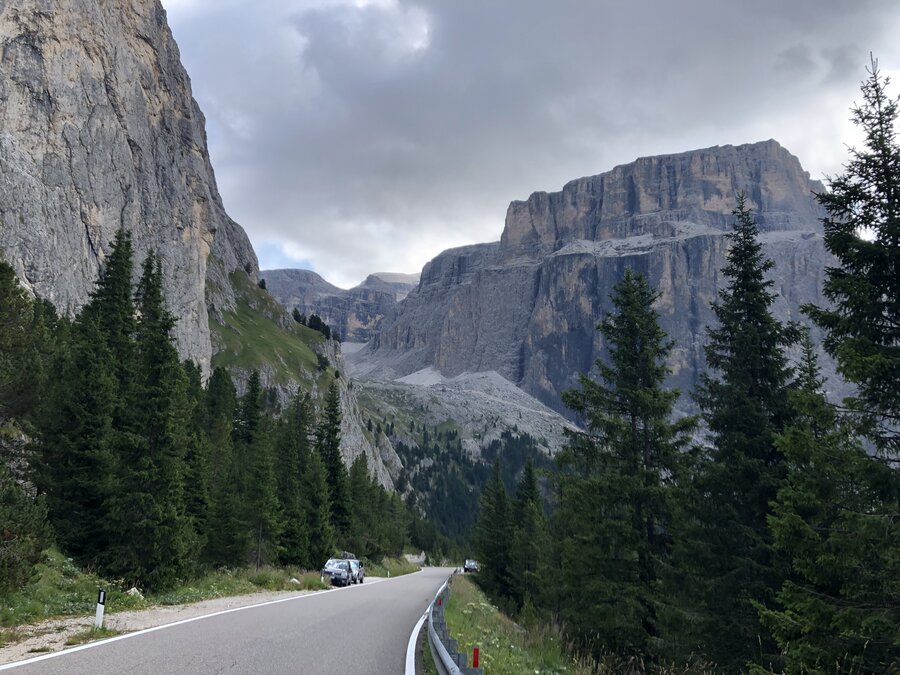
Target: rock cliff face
x,y
355,313
98,130
528,306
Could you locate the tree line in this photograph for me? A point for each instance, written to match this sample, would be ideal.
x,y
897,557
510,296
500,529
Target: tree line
x,y
773,544
136,469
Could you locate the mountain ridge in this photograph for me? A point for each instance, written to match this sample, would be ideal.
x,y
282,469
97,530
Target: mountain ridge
x,y
528,305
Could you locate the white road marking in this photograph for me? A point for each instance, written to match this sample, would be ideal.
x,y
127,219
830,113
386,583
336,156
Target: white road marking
x,y
411,645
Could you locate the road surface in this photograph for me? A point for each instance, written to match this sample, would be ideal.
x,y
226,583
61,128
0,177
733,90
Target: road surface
x,y
360,629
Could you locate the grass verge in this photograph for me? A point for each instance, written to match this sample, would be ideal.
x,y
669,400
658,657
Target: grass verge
x,y
58,588
390,567
226,582
506,648
89,635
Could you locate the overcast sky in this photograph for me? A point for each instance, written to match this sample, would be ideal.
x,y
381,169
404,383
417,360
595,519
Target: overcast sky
x,y
359,136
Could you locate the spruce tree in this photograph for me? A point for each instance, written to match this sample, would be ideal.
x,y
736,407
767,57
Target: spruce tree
x,y
89,427
112,307
264,513
493,536
362,521
293,452
153,542
220,404
197,453
728,550
328,443
836,520
862,230
254,464
630,456
529,541
318,513
79,468
24,532
20,319
226,536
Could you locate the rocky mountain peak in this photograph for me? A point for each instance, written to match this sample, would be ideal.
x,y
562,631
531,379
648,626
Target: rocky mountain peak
x,y
529,306
99,130
652,194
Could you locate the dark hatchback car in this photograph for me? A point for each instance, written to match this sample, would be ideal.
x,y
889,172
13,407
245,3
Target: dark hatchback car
x,y
339,571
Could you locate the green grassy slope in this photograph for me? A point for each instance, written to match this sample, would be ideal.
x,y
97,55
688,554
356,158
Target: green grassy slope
x,y
253,336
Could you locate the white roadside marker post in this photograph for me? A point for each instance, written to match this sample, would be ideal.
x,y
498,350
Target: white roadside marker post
x,y
101,605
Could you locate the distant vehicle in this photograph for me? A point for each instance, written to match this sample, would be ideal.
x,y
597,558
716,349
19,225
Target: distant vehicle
x,y
338,571
358,570
470,566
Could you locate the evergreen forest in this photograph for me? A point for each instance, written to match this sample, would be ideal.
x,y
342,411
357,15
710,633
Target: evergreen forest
x,y
763,535
136,469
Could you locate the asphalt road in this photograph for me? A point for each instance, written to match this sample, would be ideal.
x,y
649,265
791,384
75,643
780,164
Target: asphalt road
x,y
360,629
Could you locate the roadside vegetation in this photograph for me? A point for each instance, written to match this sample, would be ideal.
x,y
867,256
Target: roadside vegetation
x,y
124,461
506,647
511,647
58,588
92,633
770,546
390,567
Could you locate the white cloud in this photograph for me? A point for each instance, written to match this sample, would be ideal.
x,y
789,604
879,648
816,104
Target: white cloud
x,y
370,135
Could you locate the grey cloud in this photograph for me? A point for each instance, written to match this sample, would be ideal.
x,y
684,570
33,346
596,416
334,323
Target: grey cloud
x,y
372,136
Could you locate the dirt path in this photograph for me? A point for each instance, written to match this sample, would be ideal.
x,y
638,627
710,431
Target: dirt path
x,y
51,635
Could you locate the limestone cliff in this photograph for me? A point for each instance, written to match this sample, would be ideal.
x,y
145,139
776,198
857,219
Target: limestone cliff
x,y
99,130
528,306
355,313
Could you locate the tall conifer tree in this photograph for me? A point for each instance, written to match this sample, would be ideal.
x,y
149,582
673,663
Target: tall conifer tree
x,y
528,551
318,512
293,461
836,520
197,453
154,543
862,230
227,540
263,508
632,452
493,534
328,443
254,463
836,516
728,550
89,422
363,515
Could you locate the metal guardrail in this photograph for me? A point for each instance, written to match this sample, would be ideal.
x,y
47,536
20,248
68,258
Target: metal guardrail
x,y
444,648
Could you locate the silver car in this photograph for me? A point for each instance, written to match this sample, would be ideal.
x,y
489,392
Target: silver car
x,y
358,570
338,571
